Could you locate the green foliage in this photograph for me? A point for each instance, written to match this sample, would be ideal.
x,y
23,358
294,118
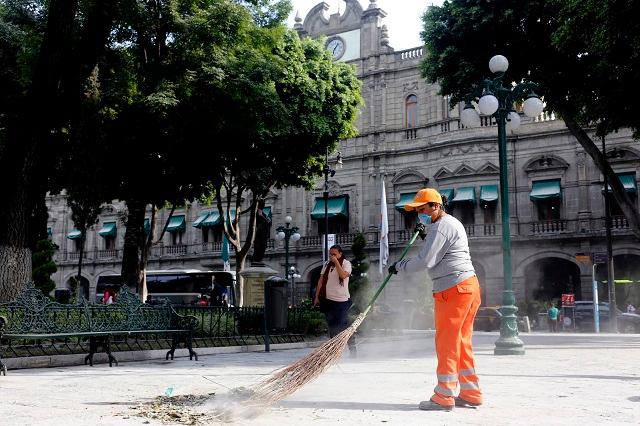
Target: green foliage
x,y
268,13
579,52
359,287
44,266
306,319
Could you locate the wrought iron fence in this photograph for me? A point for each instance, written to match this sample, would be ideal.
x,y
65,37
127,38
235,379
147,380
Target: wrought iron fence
x,y
217,326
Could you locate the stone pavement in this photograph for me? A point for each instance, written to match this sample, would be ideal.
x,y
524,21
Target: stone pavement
x,y
563,379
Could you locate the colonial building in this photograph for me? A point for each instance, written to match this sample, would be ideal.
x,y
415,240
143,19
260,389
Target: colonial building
x,y
409,137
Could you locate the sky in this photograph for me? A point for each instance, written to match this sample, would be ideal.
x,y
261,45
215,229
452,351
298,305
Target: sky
x,y
403,17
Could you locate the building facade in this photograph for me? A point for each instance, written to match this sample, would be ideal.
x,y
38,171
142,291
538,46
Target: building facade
x,y
409,138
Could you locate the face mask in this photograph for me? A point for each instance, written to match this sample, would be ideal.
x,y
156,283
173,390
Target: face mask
x,y
424,218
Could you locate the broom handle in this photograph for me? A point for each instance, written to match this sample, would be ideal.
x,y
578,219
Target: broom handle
x,y
386,280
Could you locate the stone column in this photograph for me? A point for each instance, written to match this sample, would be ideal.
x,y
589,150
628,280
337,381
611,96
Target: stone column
x,y
254,277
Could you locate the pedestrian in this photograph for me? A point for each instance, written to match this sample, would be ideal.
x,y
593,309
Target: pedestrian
x,y
332,294
631,309
107,296
552,314
456,292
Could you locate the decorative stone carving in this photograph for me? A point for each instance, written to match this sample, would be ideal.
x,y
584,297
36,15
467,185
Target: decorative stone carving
x,y
546,162
464,170
408,87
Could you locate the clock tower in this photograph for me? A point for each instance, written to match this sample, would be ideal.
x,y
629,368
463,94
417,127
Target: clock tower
x,y
351,35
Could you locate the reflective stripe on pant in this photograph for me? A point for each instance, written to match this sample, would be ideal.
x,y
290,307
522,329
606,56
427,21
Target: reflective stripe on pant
x,y
455,309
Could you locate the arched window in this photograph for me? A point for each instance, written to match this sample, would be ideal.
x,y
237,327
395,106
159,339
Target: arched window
x,y
411,109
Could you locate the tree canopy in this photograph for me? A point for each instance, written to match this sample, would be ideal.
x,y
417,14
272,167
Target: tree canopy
x,y
166,101
582,54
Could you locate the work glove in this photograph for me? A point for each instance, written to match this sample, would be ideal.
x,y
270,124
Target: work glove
x,y
392,268
421,230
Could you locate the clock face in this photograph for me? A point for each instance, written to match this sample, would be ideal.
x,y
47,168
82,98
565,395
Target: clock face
x,y
336,47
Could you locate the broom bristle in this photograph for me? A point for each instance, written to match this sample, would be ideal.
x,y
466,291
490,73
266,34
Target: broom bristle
x,y
289,379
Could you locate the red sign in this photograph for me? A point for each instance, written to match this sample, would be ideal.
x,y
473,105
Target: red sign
x,y
568,299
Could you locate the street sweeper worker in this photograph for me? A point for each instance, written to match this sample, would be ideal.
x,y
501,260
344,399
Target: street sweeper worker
x,y
456,293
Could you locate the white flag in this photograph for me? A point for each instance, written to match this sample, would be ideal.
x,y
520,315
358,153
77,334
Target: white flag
x,y
384,230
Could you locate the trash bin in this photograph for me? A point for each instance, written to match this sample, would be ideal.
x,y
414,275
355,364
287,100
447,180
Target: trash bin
x,y
276,305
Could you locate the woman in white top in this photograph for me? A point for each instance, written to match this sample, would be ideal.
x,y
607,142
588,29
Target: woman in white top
x,y
332,294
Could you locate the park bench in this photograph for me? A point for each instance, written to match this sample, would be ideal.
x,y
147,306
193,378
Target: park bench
x,y
34,317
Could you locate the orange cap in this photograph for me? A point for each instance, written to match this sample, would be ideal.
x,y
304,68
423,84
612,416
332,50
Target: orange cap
x,y
424,196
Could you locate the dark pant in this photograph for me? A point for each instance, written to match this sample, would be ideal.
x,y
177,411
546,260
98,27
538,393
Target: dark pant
x,y
338,319
553,325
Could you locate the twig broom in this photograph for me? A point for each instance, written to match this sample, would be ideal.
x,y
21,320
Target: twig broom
x,y
289,379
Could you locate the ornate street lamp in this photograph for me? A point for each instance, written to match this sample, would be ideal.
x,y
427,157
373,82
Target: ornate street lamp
x,y
494,99
328,171
286,233
293,274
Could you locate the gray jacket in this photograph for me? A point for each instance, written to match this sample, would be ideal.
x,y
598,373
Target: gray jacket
x,y
444,254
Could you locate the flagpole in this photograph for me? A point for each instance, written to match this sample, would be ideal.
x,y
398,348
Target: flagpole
x,y
384,230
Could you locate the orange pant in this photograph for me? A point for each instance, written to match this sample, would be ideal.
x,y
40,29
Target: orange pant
x,y
455,309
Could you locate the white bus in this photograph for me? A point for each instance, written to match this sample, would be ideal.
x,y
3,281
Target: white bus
x,y
179,286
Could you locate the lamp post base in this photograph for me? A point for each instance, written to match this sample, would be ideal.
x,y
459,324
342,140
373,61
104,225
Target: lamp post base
x,y
508,343
509,346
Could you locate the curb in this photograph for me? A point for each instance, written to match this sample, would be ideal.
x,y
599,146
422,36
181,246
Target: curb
x,y
49,361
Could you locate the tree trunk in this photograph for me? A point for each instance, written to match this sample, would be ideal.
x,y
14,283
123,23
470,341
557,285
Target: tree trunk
x,y
83,241
626,205
146,250
133,246
239,280
15,271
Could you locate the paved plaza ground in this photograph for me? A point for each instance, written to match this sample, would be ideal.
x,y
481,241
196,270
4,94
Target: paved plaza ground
x,y
563,379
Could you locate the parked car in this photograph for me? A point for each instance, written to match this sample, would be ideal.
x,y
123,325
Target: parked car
x,y
487,319
583,314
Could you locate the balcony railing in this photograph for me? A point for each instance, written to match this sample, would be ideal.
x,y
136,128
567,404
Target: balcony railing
x,y
619,222
177,249
212,246
108,254
475,232
549,226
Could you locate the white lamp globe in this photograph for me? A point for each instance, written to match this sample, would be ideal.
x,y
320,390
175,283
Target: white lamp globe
x,y
280,235
488,104
513,121
287,220
533,106
469,116
498,64
295,236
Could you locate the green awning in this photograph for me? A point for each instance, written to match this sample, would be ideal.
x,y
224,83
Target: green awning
x,y
465,195
404,199
488,193
108,230
545,190
213,219
176,223
198,222
447,193
76,234
628,181
147,226
335,206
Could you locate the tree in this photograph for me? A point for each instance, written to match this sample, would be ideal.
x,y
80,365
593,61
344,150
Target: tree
x,y
283,108
47,49
587,77
359,283
44,266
